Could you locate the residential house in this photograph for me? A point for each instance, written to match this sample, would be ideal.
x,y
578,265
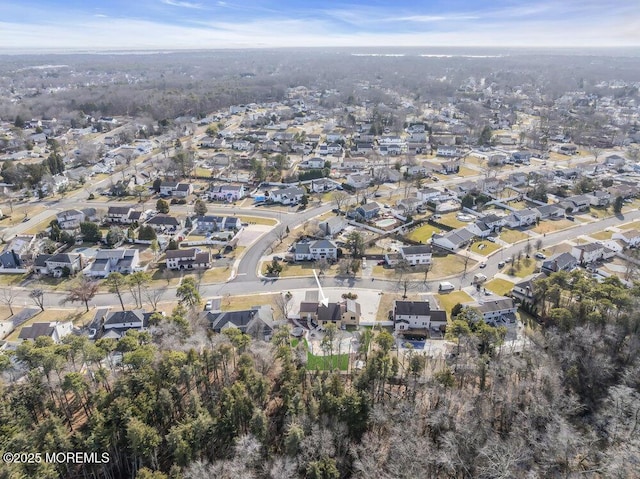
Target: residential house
x,y
614,161
312,163
524,291
344,313
559,262
334,148
369,210
124,215
429,194
322,185
209,224
188,259
57,265
518,179
599,198
183,190
320,249
550,211
413,316
480,229
631,238
414,255
55,330
168,187
453,240
363,147
522,218
359,180
576,203
107,261
448,151
70,219
208,142
387,175
257,321
18,251
241,145
418,170
332,226
590,252
287,196
409,205
523,157
450,167
164,223
496,308
226,192
493,221
354,163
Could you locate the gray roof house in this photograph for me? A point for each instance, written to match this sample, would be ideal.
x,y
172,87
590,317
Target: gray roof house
x,y
257,322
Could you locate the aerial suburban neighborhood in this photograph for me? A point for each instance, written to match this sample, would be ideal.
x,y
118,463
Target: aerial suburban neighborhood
x,y
318,217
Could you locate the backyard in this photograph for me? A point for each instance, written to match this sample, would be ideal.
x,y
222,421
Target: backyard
x,y
423,233
450,219
499,286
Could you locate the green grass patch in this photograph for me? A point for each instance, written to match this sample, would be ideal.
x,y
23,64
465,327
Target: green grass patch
x,y
450,220
449,300
327,363
257,220
499,286
484,247
423,233
513,236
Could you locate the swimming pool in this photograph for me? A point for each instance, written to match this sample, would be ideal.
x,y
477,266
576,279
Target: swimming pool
x,y
385,223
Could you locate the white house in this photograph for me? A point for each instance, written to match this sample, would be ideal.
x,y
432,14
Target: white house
x,y
322,185
183,190
107,261
590,252
209,223
55,330
287,196
168,187
227,192
58,264
420,254
521,218
630,237
122,215
70,219
321,249
187,259
334,225
358,180
495,308
417,315
312,163
599,198
448,151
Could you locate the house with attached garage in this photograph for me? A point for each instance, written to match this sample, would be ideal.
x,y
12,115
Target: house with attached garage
x,y
344,313
107,261
480,229
560,262
591,252
522,218
188,259
183,190
123,215
631,238
115,324
576,203
17,252
550,211
496,308
322,185
429,194
56,330
226,192
414,316
168,187
287,196
165,223
257,321
453,240
312,163
448,151
57,265
209,224
315,250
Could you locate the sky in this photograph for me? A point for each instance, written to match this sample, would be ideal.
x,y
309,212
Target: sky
x,y
81,25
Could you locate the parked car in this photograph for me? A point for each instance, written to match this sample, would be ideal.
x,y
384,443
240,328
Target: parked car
x,y
539,255
483,265
208,305
491,238
501,264
508,259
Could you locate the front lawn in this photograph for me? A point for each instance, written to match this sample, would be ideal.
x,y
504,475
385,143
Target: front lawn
x,y
523,269
423,233
513,236
549,226
448,266
257,220
499,286
602,235
484,248
232,303
300,269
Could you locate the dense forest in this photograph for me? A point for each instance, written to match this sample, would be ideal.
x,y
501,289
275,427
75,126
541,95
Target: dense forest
x,y
179,402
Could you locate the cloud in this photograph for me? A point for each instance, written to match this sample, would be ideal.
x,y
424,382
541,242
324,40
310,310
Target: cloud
x,y
183,4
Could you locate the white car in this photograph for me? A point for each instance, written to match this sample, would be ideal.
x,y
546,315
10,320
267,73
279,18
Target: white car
x,y
208,305
540,255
